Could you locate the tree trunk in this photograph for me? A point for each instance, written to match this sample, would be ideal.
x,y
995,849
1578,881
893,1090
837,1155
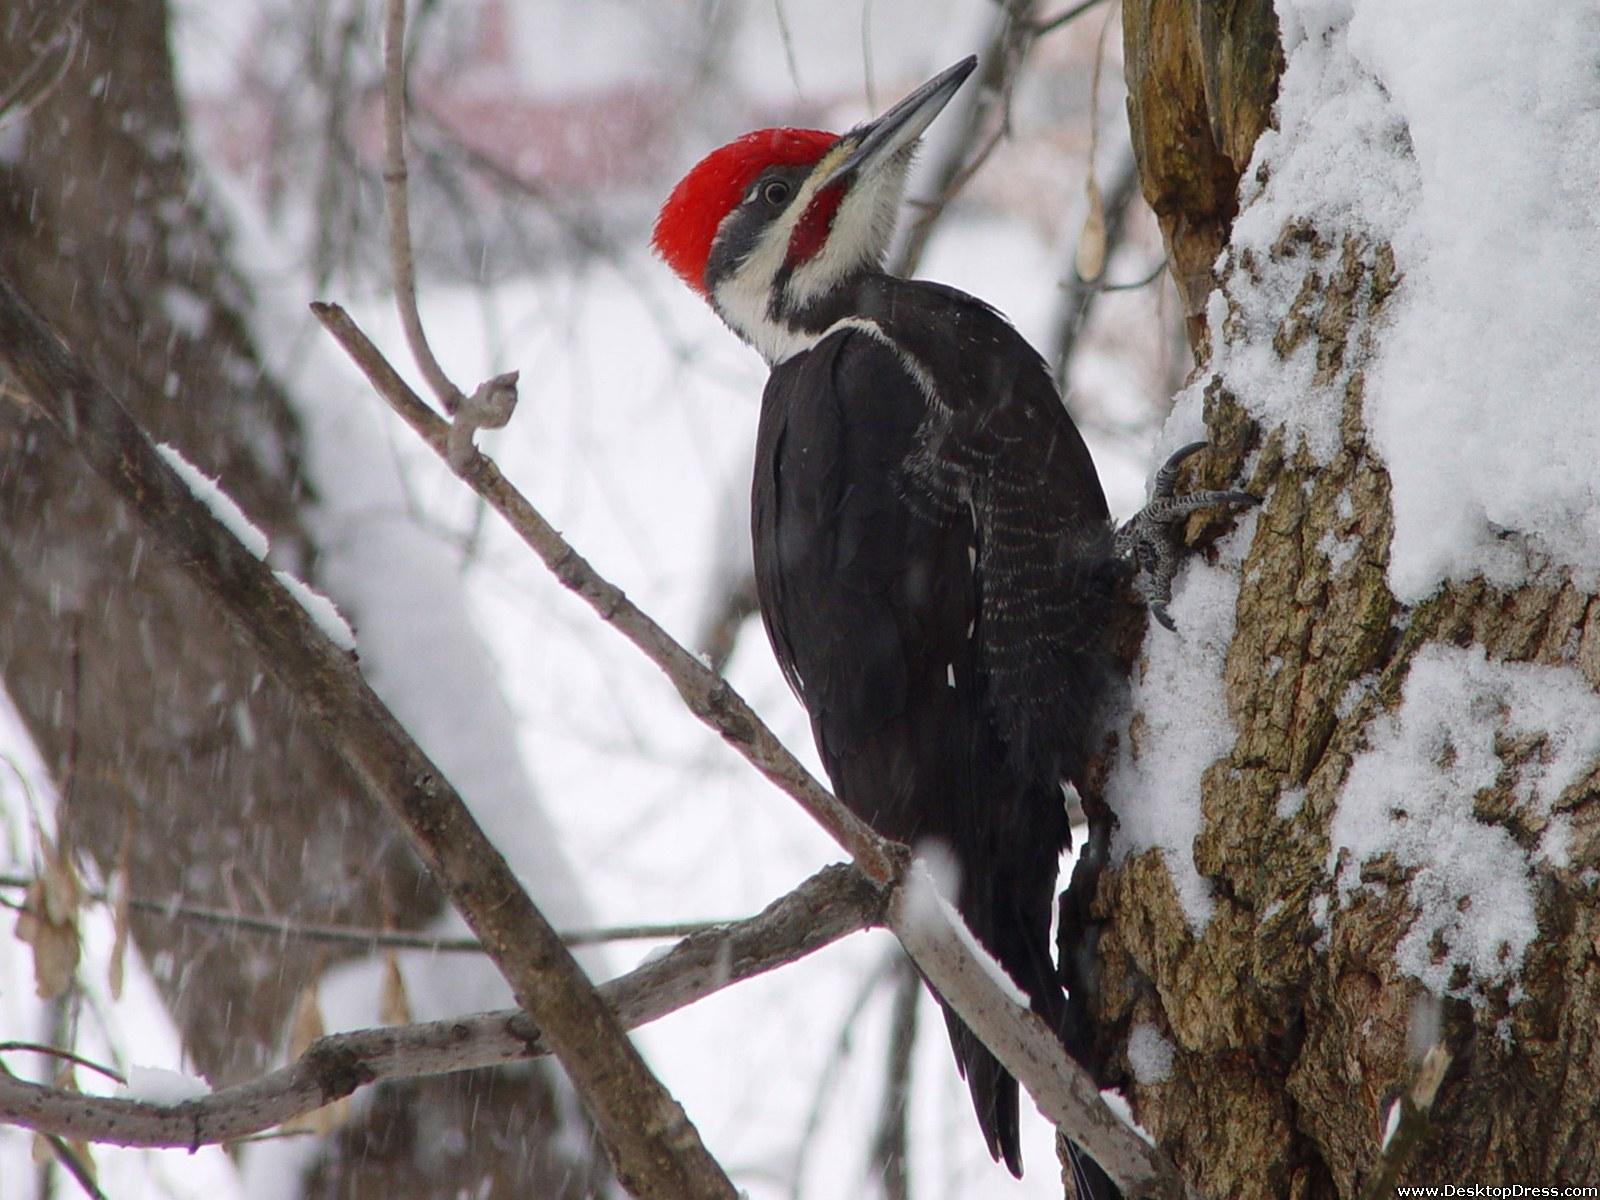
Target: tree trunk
x,y
159,725
1289,1021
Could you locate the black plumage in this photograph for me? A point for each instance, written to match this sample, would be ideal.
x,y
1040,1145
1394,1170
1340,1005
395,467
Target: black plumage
x,y
935,569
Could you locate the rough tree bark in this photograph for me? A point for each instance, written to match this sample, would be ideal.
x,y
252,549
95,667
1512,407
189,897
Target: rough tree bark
x,y
157,721
1288,1038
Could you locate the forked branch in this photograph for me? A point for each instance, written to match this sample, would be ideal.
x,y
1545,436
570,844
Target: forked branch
x,y
705,692
494,400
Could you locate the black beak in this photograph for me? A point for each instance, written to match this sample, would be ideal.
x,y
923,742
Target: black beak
x,y
878,141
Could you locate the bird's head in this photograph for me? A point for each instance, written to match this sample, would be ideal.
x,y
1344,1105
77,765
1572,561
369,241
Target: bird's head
x,y
767,226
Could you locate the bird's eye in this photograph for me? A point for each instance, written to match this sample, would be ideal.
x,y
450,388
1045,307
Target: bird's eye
x,y
775,192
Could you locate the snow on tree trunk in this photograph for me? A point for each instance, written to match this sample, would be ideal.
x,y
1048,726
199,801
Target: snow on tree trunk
x,y
1359,794
155,718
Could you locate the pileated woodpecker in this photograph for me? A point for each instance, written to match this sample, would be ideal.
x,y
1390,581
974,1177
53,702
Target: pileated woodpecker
x,y
934,558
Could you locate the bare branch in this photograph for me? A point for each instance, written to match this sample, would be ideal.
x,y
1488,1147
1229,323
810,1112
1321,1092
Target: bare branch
x,y
890,1157
491,405
963,155
74,1165
707,694
1050,24
656,1149
832,904
1019,1038
1078,294
64,1055
718,635
832,1067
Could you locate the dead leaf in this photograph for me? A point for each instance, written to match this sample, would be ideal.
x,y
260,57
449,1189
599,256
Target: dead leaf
x,y
119,939
307,1025
61,891
320,1121
1090,260
394,1003
55,943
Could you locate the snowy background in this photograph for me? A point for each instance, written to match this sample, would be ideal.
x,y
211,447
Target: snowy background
x,y
1467,137
634,437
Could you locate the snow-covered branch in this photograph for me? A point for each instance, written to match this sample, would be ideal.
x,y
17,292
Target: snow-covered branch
x,y
832,904
654,1146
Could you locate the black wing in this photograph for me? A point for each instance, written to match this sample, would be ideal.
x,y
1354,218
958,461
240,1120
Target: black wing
x,y
866,599
932,552
999,442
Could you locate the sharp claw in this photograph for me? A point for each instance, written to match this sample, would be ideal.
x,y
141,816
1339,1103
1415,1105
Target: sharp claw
x,y
1167,476
1150,537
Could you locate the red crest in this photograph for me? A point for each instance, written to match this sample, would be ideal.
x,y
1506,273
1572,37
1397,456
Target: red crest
x,y
688,220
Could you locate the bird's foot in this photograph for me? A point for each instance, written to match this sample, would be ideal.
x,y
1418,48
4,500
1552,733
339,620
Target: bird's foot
x,y
1149,539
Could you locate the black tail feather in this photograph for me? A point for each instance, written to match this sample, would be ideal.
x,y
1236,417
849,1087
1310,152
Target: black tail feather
x,y
1008,907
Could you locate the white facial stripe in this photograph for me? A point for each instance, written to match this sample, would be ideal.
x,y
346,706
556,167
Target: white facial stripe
x,y
744,296
862,228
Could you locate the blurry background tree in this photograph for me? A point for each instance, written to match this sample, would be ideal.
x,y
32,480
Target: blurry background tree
x,y
180,765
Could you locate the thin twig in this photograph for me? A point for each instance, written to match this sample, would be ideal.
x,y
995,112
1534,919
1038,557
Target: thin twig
x,y
493,402
1133,285
397,199
890,1156
1078,295
867,73
999,65
27,92
313,931
787,38
74,1166
1050,24
65,1055
707,694
832,1065
832,904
